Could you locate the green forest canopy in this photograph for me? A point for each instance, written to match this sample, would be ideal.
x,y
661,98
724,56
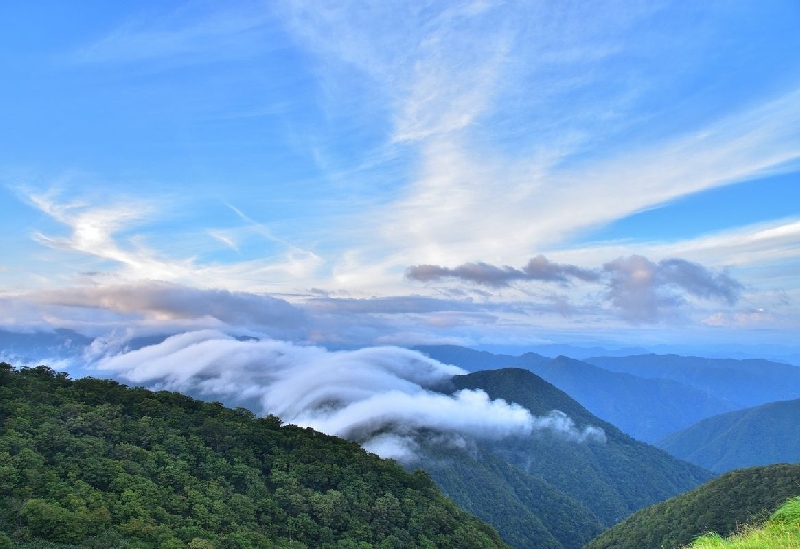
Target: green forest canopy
x,y
93,463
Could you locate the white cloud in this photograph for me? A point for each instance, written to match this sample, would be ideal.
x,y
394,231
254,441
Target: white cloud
x,y
115,236
509,164
760,246
381,397
470,205
499,127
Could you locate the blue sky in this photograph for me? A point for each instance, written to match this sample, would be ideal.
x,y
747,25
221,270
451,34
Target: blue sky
x,y
483,173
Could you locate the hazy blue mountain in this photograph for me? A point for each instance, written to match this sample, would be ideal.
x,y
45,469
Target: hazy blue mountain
x,y
761,435
571,488
744,382
61,344
553,350
28,348
472,360
722,505
646,409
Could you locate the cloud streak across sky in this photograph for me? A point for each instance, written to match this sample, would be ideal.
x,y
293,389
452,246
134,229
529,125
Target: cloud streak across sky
x,y
640,289
539,268
380,397
354,173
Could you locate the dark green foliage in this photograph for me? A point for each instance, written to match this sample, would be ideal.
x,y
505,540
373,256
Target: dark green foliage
x,y
723,505
528,512
92,463
613,478
762,435
548,488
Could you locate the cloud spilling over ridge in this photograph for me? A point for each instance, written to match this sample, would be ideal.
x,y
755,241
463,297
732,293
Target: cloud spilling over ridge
x,y
380,397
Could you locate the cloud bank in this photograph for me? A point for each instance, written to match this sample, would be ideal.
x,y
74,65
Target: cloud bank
x,y
169,301
381,397
539,268
641,290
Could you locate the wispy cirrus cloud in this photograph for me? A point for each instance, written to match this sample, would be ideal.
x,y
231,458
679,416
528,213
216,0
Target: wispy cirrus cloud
x,y
469,203
95,231
115,234
460,138
187,34
522,136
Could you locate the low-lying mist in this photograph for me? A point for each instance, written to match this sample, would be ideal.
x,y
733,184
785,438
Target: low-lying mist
x,y
380,397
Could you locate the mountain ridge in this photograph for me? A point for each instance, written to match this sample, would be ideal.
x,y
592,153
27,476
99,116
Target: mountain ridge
x,y
646,409
93,463
760,435
722,505
608,479
746,382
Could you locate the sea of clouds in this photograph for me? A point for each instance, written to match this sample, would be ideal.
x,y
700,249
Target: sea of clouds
x,y
380,397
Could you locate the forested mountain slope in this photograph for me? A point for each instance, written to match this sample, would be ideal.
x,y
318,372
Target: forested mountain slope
x,y
526,510
723,505
761,435
92,463
572,486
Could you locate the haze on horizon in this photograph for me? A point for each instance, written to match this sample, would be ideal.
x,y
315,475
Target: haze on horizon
x,y
475,172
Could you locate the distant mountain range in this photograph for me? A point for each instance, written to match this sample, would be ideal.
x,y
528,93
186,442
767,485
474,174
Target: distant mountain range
x,y
30,347
723,505
761,435
647,396
559,488
550,490
743,382
647,409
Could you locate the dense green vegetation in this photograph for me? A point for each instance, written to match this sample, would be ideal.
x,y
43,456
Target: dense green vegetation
x,y
549,490
92,463
723,505
761,435
612,478
782,531
525,509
